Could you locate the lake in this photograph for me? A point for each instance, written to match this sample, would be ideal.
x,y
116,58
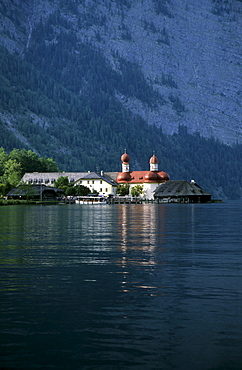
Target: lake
x,y
146,286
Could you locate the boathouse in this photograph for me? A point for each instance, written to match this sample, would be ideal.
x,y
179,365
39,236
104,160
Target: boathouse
x,y
181,192
35,192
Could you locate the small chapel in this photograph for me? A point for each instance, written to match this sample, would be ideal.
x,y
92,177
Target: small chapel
x,y
150,180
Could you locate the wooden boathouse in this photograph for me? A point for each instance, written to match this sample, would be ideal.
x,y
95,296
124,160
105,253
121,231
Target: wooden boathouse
x,y
35,192
181,192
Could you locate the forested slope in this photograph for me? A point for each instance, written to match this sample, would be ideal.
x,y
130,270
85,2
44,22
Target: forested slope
x,y
78,85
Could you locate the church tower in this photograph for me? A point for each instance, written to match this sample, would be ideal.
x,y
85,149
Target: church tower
x,y
154,163
124,176
125,162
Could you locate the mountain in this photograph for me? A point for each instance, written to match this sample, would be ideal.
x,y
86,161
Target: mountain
x,y
82,80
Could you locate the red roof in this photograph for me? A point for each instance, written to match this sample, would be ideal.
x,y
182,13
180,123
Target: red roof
x,y
139,177
123,177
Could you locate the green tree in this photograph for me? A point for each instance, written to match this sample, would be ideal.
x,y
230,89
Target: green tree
x,y
48,164
70,190
17,162
4,188
30,162
81,190
137,190
12,172
62,182
3,159
122,189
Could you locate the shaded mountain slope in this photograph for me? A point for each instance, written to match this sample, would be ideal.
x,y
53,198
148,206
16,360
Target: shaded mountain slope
x,y
80,81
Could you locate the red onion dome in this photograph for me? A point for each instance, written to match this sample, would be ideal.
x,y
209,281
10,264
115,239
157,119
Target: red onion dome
x,y
123,176
164,175
154,159
125,158
151,176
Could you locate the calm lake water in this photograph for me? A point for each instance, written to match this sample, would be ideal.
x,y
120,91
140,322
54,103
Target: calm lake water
x,y
147,286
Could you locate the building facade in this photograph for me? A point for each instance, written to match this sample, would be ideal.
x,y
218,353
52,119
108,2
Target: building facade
x,y
149,180
102,183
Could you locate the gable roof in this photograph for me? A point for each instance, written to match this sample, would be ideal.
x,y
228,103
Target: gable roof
x,y
179,188
96,176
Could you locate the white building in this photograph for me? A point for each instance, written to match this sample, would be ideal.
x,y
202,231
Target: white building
x,y
101,183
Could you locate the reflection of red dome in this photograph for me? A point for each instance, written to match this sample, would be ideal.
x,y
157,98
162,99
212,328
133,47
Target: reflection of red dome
x,y
125,158
151,176
154,160
123,176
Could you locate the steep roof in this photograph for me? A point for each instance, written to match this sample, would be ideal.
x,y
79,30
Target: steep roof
x,y
112,175
182,188
72,176
95,176
50,177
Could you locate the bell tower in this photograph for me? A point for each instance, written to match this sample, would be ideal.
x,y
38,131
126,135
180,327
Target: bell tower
x,y
154,163
125,162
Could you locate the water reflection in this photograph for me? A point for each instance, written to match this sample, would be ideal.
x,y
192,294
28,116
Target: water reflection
x,y
140,227
37,235
141,231
126,286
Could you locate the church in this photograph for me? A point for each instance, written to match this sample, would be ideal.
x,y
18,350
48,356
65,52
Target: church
x,y
149,180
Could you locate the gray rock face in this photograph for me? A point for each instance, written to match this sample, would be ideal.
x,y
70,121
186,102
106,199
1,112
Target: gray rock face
x,y
188,51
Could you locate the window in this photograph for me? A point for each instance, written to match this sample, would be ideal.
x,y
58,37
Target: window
x,y
88,181
101,189
106,190
101,182
93,181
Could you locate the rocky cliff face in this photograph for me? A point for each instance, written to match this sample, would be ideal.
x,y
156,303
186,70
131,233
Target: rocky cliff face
x,y
189,53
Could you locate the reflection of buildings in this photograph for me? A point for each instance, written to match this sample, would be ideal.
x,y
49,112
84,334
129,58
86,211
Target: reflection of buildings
x,y
141,235
58,235
140,232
